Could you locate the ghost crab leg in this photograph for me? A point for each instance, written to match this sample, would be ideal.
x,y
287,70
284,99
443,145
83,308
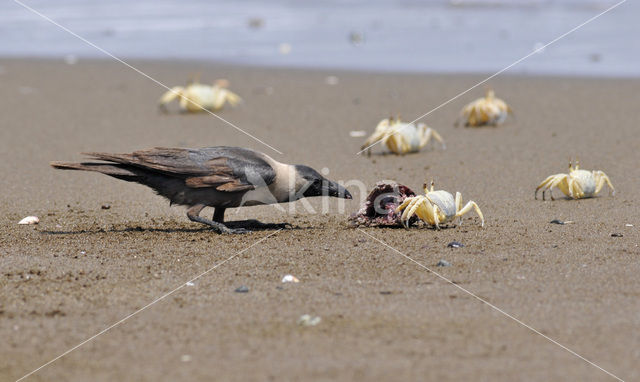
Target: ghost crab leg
x,y
561,181
427,133
232,98
575,189
375,137
601,179
544,185
459,206
470,204
169,96
558,180
395,143
409,205
420,206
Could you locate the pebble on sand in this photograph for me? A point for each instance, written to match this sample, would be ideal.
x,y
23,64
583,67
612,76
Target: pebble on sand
x,y
443,263
308,320
455,244
290,279
30,220
242,289
616,234
558,221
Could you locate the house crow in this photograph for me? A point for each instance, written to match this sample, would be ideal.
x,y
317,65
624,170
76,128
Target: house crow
x,y
220,177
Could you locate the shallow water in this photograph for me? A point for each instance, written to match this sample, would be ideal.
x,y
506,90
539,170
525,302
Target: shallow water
x,y
423,36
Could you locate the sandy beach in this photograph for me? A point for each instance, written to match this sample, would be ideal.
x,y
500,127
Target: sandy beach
x,y
84,268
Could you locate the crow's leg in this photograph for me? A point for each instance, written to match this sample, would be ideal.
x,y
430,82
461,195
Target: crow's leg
x,y
193,213
218,214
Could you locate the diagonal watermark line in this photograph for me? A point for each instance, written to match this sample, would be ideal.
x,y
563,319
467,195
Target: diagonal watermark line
x,y
537,50
490,304
147,306
142,73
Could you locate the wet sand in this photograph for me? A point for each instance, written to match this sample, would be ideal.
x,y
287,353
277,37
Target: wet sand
x,y
83,267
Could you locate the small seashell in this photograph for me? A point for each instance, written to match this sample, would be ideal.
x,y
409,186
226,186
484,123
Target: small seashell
x,y
242,289
357,133
443,263
189,283
308,320
290,279
30,220
455,244
628,225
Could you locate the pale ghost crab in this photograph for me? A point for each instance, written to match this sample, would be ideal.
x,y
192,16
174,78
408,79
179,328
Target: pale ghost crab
x,y
436,207
400,137
196,96
488,110
577,184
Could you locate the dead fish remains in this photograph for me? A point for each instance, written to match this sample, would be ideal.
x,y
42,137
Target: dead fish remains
x,y
379,208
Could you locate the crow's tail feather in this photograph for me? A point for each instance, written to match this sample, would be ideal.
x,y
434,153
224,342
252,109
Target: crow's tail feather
x,y
116,170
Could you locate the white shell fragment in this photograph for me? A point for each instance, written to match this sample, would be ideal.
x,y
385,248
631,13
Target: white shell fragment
x,y
628,225
30,220
308,320
357,133
290,279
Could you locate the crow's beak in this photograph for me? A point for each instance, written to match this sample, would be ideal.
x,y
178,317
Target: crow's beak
x,y
336,190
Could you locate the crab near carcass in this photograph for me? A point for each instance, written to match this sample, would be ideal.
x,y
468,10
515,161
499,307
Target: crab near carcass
x,y
196,96
436,207
400,137
577,184
488,110
379,209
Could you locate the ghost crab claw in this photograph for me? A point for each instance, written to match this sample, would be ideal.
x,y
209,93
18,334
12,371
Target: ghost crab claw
x,y
436,207
401,138
196,96
488,110
577,184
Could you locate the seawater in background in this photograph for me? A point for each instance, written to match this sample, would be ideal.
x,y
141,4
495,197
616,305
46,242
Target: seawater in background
x,y
423,36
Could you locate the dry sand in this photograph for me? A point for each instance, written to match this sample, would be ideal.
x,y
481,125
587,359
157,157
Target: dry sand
x,y
84,268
